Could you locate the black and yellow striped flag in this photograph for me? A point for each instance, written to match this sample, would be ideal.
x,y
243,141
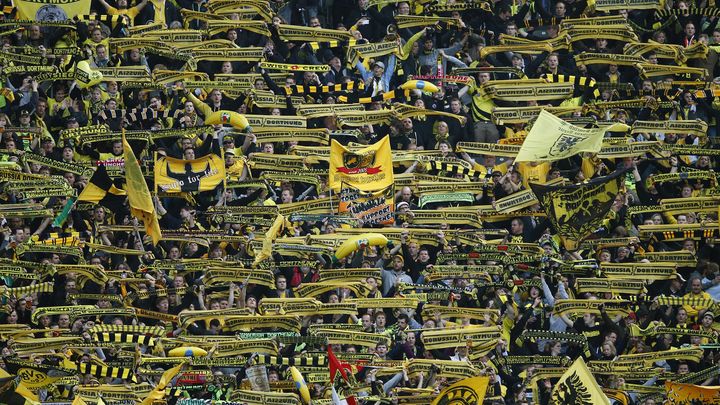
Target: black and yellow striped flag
x,y
110,20
436,166
123,337
314,361
578,386
300,89
104,371
142,329
101,190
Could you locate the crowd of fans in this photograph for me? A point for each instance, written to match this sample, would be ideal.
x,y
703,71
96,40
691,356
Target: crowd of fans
x,y
47,108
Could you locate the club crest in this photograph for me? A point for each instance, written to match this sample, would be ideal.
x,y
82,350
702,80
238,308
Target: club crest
x,y
564,143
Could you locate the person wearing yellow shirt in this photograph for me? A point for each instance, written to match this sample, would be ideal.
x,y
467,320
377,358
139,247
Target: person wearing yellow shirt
x,y
488,166
60,108
115,156
96,38
697,293
159,15
235,168
707,325
112,91
122,9
533,172
484,130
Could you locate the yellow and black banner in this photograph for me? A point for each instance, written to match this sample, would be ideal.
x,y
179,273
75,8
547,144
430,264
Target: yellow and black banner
x,y
608,5
290,67
577,386
596,285
679,393
178,175
639,271
372,207
468,391
52,11
34,375
576,211
365,169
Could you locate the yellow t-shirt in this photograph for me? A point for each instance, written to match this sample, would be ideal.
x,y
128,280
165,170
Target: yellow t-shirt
x,y
51,106
693,310
93,44
533,174
485,170
130,12
159,6
589,167
235,171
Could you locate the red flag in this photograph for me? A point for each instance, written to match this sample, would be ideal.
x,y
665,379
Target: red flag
x,y
343,368
336,365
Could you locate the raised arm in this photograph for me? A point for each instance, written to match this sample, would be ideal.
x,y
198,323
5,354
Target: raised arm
x,y
405,50
203,108
390,71
363,72
108,7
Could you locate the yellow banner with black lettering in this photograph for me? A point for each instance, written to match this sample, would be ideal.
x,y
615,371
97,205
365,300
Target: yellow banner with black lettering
x,y
678,393
578,386
468,391
577,211
177,175
551,138
372,207
48,10
35,375
365,169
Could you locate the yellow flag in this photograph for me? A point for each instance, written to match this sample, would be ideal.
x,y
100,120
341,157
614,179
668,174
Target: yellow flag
x,y
277,228
159,392
468,391
30,397
678,393
21,390
578,386
578,210
178,175
365,169
141,205
78,400
551,138
47,10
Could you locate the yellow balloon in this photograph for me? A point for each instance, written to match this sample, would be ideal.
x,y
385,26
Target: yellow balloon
x,y
238,121
354,243
300,384
187,351
85,76
419,85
